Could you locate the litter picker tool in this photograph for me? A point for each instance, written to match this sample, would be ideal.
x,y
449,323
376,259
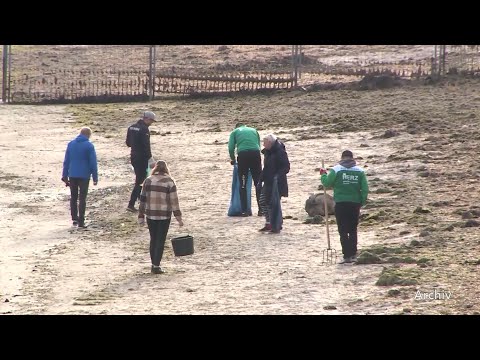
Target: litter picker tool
x,y
329,255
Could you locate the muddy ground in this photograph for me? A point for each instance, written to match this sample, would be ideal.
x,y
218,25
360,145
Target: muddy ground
x,y
419,231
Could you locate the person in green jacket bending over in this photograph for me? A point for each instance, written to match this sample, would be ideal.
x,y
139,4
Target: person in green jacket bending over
x,y
350,192
247,142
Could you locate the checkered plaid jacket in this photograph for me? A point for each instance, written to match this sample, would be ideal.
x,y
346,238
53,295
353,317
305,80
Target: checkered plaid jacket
x,y
159,198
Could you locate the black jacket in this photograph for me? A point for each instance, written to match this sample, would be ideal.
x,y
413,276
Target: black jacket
x,y
276,163
138,139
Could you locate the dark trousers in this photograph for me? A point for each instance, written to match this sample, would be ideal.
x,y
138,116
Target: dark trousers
x,y
158,233
265,201
140,167
347,215
249,160
78,205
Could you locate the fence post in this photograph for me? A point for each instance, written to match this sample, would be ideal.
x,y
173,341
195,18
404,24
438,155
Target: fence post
x,y
4,73
295,63
151,83
443,57
9,73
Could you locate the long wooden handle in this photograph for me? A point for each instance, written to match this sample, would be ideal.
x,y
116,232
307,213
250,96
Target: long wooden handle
x,y
326,208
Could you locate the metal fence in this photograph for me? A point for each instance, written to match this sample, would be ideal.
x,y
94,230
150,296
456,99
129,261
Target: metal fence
x,y
101,73
463,59
77,73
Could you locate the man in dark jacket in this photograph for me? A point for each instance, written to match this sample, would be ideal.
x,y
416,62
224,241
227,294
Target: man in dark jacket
x,y
79,165
138,139
275,168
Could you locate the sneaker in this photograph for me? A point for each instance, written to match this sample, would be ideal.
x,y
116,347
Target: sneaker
x,y
244,214
267,227
347,260
82,225
132,208
75,223
157,270
260,213
354,258
275,231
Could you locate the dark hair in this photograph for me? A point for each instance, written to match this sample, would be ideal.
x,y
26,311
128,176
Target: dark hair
x,y
238,125
347,154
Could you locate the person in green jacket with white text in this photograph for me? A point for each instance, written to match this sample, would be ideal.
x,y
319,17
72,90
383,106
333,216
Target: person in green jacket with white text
x,y
247,141
350,192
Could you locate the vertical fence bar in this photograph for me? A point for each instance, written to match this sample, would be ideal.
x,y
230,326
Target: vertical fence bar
x,y
151,83
9,73
4,73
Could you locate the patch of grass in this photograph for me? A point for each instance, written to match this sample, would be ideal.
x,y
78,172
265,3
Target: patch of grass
x,y
423,260
393,292
366,257
420,210
380,215
382,191
409,260
393,276
317,219
102,117
401,260
384,250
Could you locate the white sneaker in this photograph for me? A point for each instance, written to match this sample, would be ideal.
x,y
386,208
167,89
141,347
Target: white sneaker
x,y
347,260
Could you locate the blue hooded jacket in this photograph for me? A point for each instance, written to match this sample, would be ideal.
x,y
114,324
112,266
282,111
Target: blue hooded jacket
x,y
80,159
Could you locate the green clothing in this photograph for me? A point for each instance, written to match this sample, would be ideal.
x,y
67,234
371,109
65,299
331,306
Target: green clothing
x,y
244,138
349,184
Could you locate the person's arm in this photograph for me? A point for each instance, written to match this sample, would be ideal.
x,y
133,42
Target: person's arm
x,y
231,145
128,140
66,164
328,180
258,136
173,199
364,188
93,165
145,142
283,163
143,199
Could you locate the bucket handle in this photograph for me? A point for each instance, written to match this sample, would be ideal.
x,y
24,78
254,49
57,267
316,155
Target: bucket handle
x,y
182,234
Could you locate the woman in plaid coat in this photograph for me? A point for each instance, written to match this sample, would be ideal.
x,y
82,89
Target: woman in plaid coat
x,y
158,201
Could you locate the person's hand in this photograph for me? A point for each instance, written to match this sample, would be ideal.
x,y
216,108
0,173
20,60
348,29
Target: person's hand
x,y
151,162
141,220
180,221
65,180
323,171
233,162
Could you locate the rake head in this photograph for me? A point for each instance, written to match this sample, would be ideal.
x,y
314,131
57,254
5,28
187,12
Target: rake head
x,y
329,256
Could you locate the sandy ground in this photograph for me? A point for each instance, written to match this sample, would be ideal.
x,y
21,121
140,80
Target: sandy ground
x,y
49,268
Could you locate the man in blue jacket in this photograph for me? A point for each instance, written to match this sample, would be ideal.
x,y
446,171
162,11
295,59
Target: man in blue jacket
x,y
79,165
